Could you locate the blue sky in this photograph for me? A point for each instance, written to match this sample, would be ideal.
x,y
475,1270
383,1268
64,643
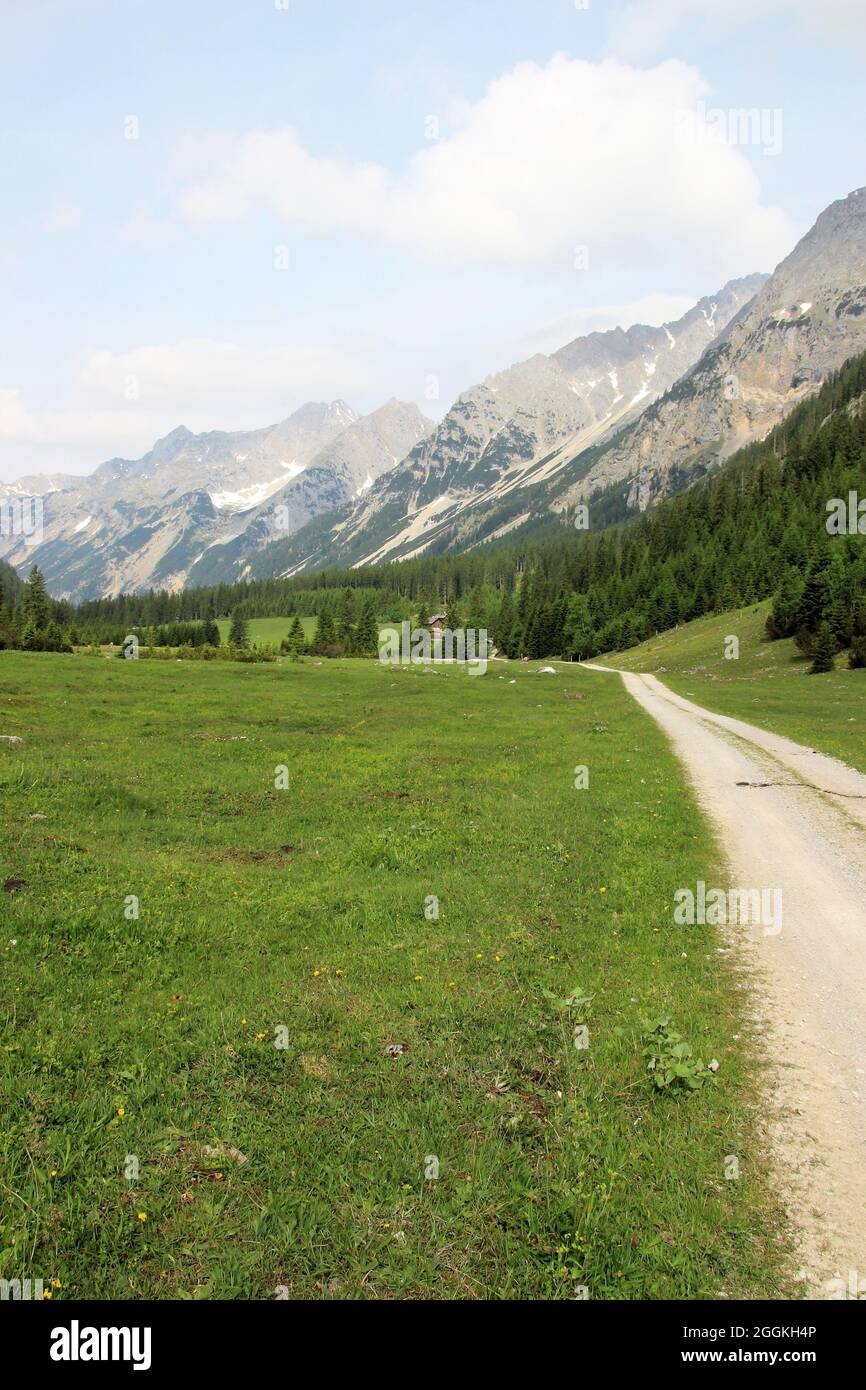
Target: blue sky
x,y
389,198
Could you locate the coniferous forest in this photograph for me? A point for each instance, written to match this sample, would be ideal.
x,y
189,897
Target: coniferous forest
x,y
759,527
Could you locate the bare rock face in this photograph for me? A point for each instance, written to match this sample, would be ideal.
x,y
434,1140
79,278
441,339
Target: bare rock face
x,y
515,429
646,409
343,471
149,521
807,320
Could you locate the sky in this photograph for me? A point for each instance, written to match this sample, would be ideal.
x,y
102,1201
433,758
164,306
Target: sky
x,y
216,210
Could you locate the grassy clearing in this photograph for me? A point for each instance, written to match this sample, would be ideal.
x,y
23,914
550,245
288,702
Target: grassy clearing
x,y
267,631
304,909
767,685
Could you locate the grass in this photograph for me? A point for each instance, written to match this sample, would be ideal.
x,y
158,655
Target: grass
x,y
267,631
767,684
147,1045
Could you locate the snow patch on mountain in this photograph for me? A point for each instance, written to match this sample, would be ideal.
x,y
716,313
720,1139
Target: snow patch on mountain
x,y
248,497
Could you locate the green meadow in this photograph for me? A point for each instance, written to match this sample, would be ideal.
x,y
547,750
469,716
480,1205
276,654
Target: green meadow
x,y
325,980
265,632
767,684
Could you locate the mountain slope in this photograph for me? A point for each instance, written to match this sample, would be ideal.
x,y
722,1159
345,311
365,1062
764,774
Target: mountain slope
x,y
470,484
806,321
621,417
10,584
514,430
146,522
343,470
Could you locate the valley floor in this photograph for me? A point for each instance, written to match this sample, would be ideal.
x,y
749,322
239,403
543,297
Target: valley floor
x,y
310,1030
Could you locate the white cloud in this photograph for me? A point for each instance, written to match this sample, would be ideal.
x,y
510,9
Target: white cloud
x,y
308,192
646,26
125,401
551,157
16,422
222,381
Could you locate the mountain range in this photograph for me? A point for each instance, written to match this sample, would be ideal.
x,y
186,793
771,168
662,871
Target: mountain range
x,y
146,523
613,419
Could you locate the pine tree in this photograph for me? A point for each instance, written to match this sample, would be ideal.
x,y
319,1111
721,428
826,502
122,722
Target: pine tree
x,y
824,654
782,621
239,635
504,624
367,634
35,601
346,620
578,635
325,635
296,643
54,639
813,600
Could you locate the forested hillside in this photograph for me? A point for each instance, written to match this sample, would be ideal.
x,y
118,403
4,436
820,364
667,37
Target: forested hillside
x,y
756,528
10,585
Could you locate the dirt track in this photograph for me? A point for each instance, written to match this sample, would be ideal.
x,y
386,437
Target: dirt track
x,y
792,819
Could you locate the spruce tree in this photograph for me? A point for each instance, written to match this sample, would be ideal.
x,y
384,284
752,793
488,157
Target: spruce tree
x,y
813,600
504,624
325,635
296,643
35,600
239,632
367,633
824,653
346,620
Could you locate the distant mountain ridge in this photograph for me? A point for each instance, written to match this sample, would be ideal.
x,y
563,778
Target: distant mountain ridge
x,y
139,523
628,414
771,349
807,319
515,430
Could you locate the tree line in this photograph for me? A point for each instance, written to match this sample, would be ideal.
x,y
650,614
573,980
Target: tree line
x,y
753,529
